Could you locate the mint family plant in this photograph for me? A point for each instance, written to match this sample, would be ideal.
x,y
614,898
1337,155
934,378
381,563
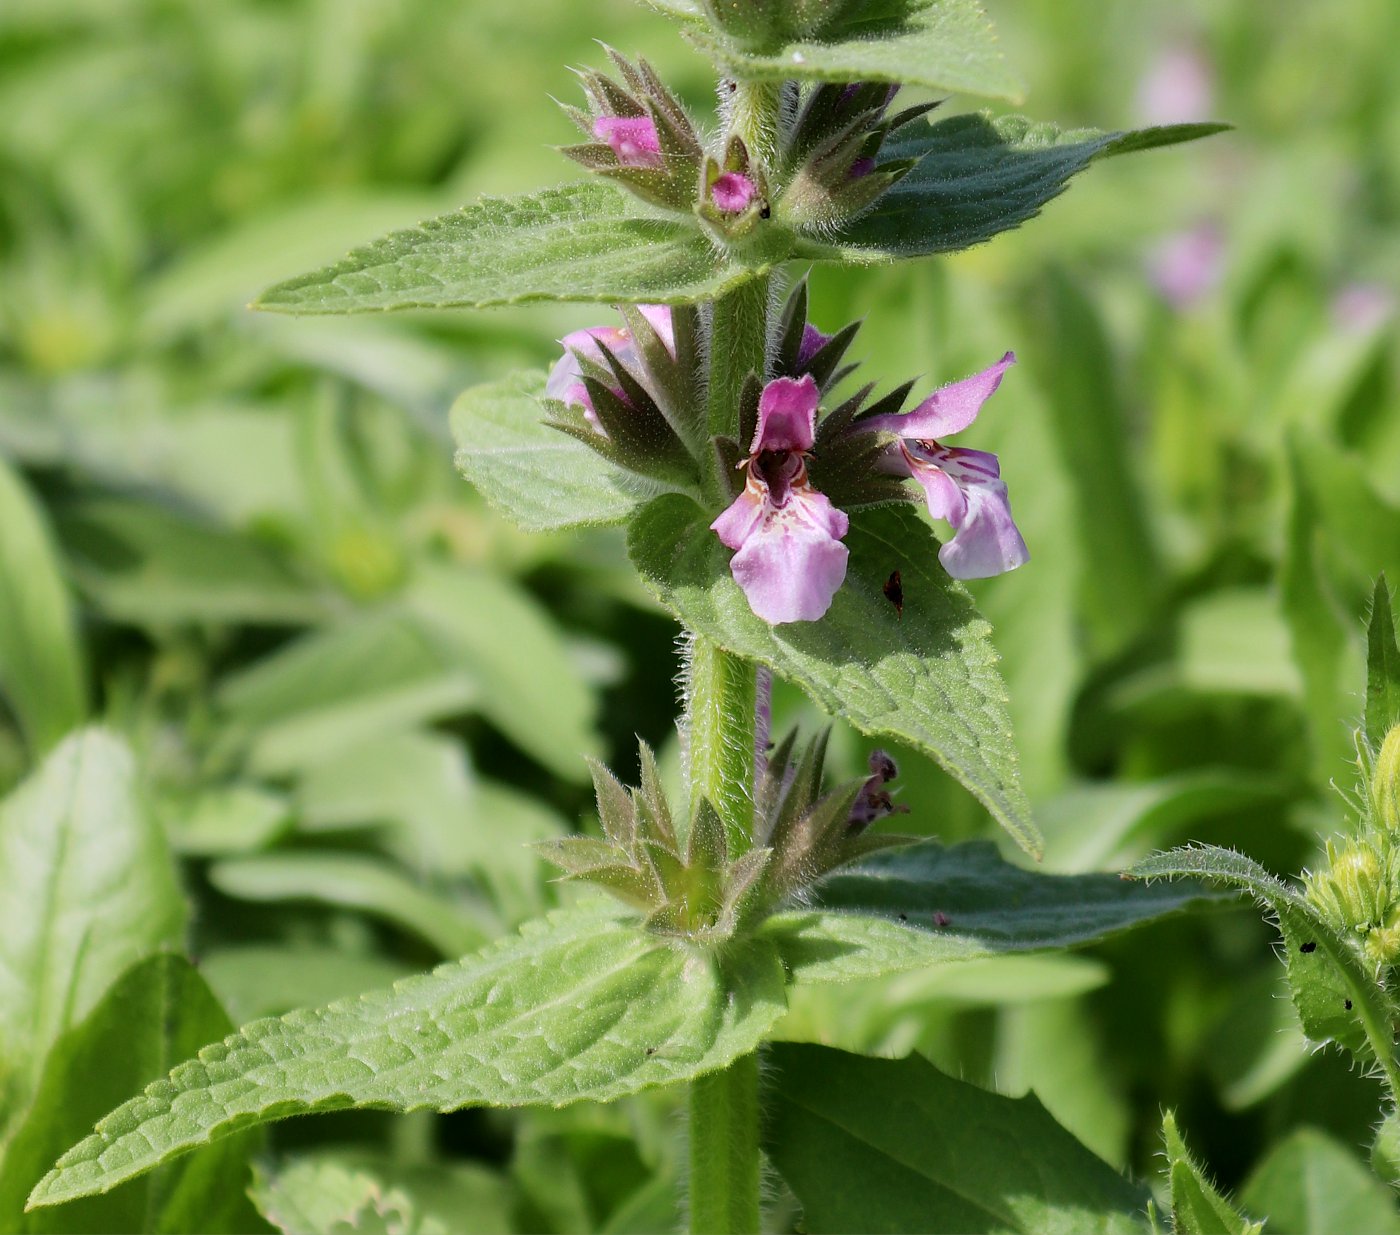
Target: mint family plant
x,y
775,519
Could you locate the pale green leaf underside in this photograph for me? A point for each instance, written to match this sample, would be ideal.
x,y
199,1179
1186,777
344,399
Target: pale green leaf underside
x,y
979,175
895,1145
948,45
87,887
1315,1185
583,1005
926,904
539,478
1331,988
581,242
928,679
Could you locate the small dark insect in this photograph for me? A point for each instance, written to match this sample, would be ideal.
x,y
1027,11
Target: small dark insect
x,y
904,917
1310,946
651,1050
941,919
1348,1005
894,593
766,212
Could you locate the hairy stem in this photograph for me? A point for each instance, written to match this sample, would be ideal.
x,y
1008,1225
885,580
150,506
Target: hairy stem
x,y
724,1163
719,723
738,347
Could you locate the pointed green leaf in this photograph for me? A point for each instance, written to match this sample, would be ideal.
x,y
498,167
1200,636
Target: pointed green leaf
x,y
351,881
925,904
87,888
978,175
895,1145
538,477
1197,1208
41,665
339,1191
942,44
1382,668
1311,1184
160,1010
1336,998
583,242
928,679
583,1005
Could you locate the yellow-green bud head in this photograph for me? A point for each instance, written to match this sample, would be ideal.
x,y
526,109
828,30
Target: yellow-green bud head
x,y
1354,890
1385,784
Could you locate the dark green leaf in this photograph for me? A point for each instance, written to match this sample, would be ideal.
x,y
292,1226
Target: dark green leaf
x,y
978,175
928,679
587,242
893,1145
159,1011
1382,668
924,904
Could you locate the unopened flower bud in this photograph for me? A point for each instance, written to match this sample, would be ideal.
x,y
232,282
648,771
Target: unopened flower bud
x,y
1355,889
1385,784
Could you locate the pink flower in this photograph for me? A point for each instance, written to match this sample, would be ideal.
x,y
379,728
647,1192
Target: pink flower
x,y
790,559
1179,88
732,192
633,139
962,486
566,378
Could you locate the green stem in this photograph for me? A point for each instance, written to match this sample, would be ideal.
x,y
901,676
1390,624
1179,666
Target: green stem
x,y
720,699
753,115
738,347
724,1162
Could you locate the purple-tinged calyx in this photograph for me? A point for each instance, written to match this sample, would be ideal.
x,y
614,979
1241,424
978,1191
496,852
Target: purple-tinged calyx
x,y
789,559
566,382
633,140
960,485
874,801
638,134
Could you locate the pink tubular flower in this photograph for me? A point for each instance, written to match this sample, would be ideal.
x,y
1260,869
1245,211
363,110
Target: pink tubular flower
x,y
732,192
962,486
566,378
813,340
790,559
632,138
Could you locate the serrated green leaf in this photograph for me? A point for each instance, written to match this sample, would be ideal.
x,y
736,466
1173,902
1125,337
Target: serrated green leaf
x,y
581,242
539,478
1336,998
160,1010
1382,668
894,1145
337,1192
943,44
87,888
978,175
350,881
926,904
1197,1208
1311,1184
583,1005
41,665
927,678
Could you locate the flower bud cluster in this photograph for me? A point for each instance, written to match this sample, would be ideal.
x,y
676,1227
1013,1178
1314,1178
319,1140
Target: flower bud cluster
x,y
1358,890
689,884
826,167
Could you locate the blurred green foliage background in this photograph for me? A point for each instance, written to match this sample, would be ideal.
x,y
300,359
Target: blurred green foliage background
x,y
354,693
